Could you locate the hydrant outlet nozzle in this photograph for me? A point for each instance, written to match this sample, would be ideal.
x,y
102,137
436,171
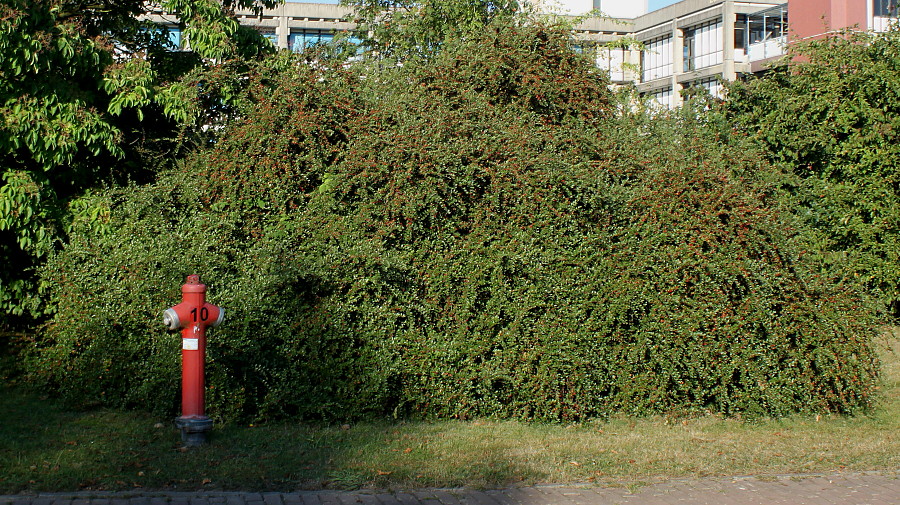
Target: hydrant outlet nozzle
x,y
170,319
219,319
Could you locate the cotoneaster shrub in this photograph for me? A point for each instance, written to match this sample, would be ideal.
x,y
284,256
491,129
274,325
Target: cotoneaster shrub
x,y
713,304
458,238
541,280
829,120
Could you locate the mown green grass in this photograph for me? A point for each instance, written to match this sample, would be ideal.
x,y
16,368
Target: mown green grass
x,y
46,447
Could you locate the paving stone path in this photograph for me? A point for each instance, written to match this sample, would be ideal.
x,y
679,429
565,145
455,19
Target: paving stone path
x,y
840,489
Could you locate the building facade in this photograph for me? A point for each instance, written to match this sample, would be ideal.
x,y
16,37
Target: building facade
x,y
689,43
704,43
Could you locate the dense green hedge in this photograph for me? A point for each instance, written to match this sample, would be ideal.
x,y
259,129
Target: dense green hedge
x,y
479,235
830,121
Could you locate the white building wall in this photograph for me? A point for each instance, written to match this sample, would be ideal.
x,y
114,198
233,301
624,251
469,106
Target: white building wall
x,y
612,8
623,8
567,7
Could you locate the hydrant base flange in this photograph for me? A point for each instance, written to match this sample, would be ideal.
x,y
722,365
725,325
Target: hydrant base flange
x,y
194,430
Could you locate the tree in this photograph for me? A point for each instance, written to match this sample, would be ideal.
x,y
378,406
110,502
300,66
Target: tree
x,y
90,96
829,118
402,29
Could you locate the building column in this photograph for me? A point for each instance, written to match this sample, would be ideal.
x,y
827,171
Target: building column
x,y
677,61
283,29
870,15
728,20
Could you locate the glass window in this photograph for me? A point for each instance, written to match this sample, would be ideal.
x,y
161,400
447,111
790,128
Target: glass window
x,y
688,50
703,46
756,27
741,32
773,27
710,84
299,40
270,34
175,37
662,98
767,25
885,8
767,33
612,59
656,59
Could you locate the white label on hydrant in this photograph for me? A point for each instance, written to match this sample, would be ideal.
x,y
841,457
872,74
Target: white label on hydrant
x,y
190,344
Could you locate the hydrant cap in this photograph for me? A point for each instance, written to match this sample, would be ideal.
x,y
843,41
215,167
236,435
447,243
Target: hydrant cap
x,y
193,285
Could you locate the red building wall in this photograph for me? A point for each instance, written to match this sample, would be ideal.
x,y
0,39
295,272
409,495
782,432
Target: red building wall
x,y
808,18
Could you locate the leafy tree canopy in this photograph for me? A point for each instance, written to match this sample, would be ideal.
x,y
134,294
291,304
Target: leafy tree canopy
x,y
89,95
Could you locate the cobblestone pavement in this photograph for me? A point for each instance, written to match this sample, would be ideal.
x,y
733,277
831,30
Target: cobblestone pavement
x,y
840,489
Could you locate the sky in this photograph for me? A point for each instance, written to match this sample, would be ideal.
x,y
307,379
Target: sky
x,y
658,4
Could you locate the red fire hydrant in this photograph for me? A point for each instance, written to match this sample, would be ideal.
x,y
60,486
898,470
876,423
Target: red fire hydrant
x,y
193,315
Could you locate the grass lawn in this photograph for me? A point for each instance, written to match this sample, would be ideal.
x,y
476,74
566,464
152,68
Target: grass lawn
x,y
45,447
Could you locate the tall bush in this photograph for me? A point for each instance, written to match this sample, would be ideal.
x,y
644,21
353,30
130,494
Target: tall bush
x,y
829,120
459,238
